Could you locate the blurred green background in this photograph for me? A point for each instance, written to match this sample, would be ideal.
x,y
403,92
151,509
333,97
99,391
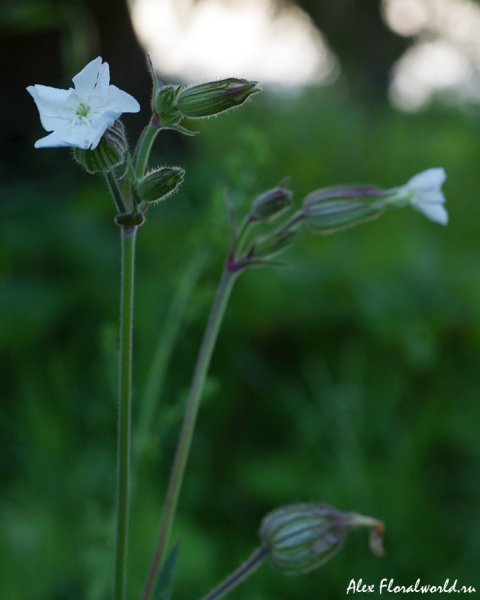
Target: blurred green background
x,y
351,377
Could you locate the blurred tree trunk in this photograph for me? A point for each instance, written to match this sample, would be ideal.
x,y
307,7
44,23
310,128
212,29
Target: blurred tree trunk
x,y
357,33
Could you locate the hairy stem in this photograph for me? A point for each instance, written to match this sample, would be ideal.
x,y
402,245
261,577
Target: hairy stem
x,y
144,146
124,412
188,426
116,193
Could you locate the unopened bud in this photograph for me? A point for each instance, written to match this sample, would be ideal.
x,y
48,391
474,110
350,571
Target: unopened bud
x,y
209,99
332,209
302,537
269,205
158,184
268,246
164,105
109,153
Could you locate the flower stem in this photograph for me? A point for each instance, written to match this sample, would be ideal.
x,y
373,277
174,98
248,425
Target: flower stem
x,y
243,571
144,146
188,426
124,411
116,193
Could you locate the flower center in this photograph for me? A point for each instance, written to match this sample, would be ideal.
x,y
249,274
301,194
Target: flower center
x,y
83,110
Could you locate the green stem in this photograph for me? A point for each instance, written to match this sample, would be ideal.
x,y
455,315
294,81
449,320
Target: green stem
x,y
116,193
243,571
144,146
124,411
293,220
188,426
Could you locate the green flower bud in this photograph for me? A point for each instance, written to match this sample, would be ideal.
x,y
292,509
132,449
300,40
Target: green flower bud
x,y
270,245
109,153
164,105
209,99
332,209
302,537
158,184
269,205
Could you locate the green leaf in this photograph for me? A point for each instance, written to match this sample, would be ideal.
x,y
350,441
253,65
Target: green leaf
x,y
164,585
181,129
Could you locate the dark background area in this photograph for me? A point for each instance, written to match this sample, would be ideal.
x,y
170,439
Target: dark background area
x,y
350,378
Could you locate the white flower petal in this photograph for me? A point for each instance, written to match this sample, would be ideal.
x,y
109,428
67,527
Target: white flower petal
x,y
121,101
79,117
49,101
49,98
427,196
86,80
103,82
51,141
428,180
435,212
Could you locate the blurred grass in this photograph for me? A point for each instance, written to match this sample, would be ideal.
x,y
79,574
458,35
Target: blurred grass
x,y
350,378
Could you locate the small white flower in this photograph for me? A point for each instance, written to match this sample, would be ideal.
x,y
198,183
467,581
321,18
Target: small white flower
x,y
79,117
427,196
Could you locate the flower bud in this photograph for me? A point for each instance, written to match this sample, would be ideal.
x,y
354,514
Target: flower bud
x,y
158,184
269,205
302,537
268,246
332,209
164,105
109,153
209,99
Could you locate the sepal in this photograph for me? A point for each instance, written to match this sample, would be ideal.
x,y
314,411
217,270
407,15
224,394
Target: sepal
x,y
302,537
208,99
270,205
158,184
109,153
332,209
164,105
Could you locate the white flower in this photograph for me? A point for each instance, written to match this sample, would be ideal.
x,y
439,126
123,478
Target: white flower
x,y
79,117
427,196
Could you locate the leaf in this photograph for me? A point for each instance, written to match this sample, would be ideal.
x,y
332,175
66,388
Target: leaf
x,y
164,584
181,129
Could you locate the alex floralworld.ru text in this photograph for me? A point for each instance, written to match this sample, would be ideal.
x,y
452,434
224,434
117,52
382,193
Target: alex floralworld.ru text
x,y
388,585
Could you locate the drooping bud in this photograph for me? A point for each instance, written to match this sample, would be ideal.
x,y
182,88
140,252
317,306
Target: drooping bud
x,y
159,184
109,153
332,209
209,99
302,537
271,204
